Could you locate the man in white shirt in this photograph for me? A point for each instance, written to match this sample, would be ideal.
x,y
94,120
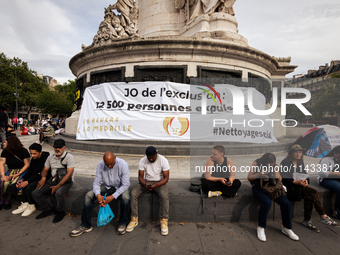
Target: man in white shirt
x,y
20,122
153,176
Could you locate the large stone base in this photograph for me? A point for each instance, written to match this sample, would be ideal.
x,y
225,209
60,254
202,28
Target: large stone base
x,y
72,123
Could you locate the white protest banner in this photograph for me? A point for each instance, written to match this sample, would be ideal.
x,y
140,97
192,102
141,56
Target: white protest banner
x,y
222,124
145,111
168,111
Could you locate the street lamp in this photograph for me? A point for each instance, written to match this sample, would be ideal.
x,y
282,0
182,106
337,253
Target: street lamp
x,y
16,93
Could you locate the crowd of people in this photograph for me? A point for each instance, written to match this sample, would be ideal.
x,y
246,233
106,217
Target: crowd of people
x,y
33,174
44,127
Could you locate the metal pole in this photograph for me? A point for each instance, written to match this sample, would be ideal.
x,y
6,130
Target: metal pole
x,y
16,93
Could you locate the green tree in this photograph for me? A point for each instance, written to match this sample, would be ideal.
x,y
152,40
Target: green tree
x,y
328,99
29,85
68,88
294,113
59,100
52,102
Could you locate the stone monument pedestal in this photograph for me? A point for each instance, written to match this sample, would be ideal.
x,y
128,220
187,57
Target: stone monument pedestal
x,y
163,41
71,123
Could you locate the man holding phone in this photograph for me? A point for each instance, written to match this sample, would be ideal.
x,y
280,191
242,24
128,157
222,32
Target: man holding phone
x,y
153,176
220,175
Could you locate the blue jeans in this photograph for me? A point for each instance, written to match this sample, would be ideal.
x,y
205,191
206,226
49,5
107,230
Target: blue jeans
x,y
266,203
89,203
333,185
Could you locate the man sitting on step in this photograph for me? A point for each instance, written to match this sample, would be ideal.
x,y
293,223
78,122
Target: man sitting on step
x,y
153,176
220,175
29,181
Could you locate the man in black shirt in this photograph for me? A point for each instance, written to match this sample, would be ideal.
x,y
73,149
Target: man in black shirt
x,y
29,181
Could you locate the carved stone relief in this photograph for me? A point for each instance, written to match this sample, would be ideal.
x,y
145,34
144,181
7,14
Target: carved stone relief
x,y
194,8
116,26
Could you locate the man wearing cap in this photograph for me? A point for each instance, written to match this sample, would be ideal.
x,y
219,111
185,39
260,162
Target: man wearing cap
x,y
62,166
112,178
153,176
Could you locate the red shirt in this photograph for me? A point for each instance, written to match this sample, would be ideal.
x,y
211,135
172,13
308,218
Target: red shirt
x,y
15,120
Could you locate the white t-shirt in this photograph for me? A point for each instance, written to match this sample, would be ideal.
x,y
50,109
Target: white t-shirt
x,y
154,171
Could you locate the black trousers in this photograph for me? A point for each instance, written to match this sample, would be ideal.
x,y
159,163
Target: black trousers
x,y
26,193
228,191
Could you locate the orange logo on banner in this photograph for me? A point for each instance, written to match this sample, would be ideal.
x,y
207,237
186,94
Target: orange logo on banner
x,y
173,128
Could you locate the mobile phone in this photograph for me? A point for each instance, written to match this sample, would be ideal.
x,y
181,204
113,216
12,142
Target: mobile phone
x,y
228,182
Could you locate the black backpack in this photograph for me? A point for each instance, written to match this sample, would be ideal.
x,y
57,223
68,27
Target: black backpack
x,y
196,186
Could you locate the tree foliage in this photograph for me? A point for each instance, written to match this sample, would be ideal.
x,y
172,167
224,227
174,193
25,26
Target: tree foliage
x,y
59,100
29,85
294,113
328,99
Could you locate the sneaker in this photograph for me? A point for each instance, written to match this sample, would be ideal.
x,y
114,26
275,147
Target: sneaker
x,y
328,221
21,208
45,214
290,233
310,225
164,227
59,217
29,210
80,230
214,193
121,230
133,223
261,235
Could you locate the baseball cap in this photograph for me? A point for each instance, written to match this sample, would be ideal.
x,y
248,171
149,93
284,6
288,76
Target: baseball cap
x,y
59,143
150,151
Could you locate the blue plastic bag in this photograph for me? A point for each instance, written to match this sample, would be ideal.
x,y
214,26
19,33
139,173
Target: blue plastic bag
x,y
105,215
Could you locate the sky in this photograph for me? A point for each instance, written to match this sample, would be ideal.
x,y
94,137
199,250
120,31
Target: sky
x,y
48,33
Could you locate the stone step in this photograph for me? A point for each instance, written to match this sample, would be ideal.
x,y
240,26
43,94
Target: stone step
x,y
170,147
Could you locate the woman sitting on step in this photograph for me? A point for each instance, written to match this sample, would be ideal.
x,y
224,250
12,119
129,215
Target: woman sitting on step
x,y
257,172
296,180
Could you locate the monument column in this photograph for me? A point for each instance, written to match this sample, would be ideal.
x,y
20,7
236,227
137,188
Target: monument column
x,y
157,18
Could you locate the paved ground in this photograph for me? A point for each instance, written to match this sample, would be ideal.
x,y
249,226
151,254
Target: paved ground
x,y
20,235
31,236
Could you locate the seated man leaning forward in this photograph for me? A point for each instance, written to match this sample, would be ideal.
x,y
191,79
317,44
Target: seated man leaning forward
x,y
153,176
30,180
62,165
220,175
113,178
